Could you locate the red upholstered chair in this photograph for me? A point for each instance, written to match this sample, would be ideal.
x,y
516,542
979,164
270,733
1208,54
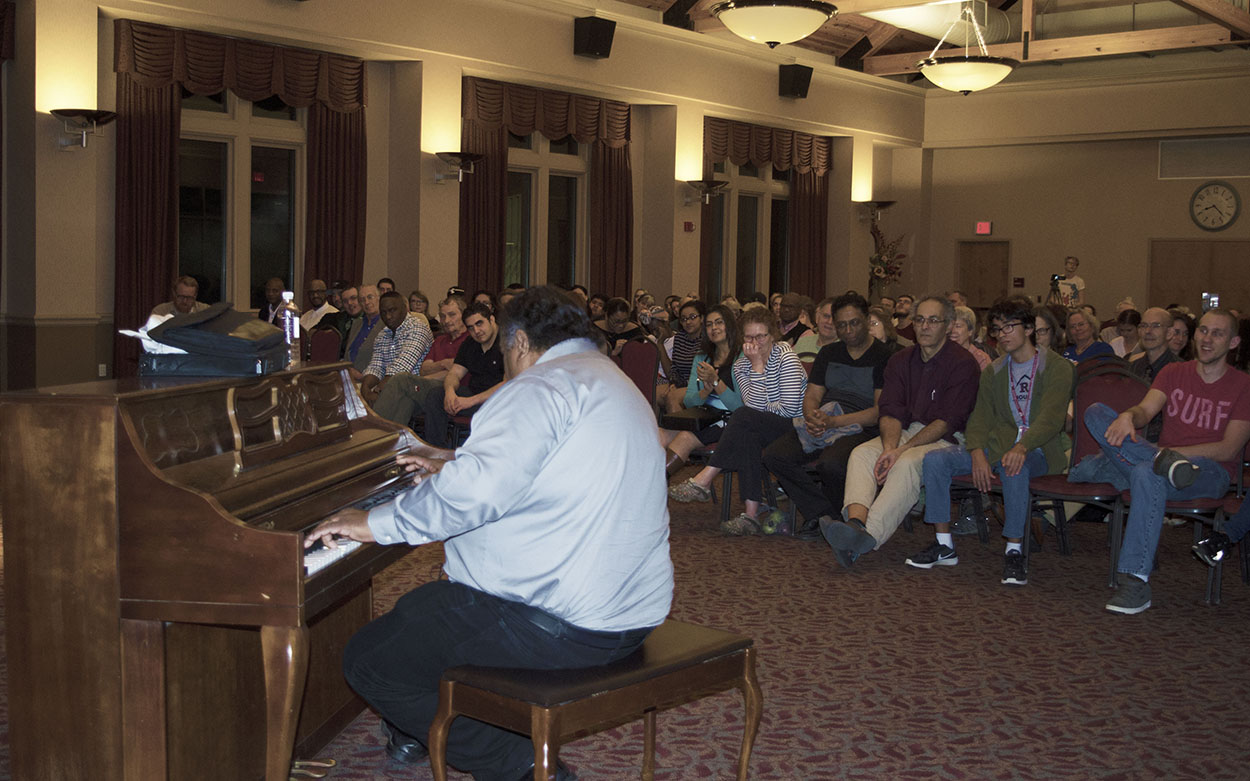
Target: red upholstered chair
x,y
1111,383
325,345
640,360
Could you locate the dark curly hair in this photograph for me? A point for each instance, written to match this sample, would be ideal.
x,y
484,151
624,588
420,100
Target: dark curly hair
x,y
547,315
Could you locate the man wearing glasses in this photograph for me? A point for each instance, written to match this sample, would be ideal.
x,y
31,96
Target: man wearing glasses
x,y
851,374
1153,339
925,402
1015,432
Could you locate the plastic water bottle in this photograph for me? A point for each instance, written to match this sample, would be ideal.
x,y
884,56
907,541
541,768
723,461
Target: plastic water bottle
x,y
288,314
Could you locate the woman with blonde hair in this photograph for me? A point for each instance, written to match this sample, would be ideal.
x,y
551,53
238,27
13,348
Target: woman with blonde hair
x,y
963,327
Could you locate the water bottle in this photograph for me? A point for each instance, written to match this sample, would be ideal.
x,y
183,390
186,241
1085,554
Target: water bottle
x,y
288,314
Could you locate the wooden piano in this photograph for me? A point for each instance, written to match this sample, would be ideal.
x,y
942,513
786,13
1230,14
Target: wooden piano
x,y
160,619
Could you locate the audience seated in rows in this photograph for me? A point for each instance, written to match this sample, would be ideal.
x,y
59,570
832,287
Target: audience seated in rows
x,y
881,326
839,414
711,388
772,383
318,306
399,348
823,333
928,394
1083,341
1015,431
963,329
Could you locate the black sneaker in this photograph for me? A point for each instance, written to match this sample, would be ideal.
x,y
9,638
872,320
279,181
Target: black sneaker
x,y
1211,550
1178,470
936,555
1132,597
1014,573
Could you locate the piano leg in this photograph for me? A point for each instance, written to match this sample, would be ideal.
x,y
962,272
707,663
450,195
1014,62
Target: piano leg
x,y
143,691
286,666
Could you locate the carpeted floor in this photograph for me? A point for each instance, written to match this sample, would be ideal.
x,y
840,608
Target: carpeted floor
x,y
890,672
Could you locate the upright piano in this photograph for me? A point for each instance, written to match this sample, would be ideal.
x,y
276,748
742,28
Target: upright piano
x,y
163,620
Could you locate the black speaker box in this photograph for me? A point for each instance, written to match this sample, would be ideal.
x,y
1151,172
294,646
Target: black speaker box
x,y
592,37
793,80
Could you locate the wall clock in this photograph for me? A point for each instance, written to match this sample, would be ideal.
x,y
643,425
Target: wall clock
x,y
1214,206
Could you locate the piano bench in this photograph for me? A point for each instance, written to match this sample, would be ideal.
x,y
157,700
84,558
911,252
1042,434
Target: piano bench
x,y
677,663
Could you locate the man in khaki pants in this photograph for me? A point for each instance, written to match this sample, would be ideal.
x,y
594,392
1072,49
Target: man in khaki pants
x,y
930,390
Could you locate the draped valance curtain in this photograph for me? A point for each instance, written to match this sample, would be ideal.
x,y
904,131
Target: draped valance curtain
x,y
491,110
153,64
808,158
8,16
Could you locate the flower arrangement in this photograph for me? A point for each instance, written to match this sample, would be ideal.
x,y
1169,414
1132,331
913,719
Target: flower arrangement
x,y
885,265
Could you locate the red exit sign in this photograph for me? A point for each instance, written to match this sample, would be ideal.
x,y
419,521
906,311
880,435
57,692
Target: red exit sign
x,y
984,228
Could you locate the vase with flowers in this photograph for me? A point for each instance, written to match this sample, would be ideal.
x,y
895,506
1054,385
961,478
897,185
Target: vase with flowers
x,y
886,263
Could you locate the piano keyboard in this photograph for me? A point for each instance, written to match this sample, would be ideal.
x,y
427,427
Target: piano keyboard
x,y
318,557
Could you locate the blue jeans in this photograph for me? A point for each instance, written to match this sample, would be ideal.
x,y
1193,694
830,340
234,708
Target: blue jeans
x,y
395,663
941,466
1135,460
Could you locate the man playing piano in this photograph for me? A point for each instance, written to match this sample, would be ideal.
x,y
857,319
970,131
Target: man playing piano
x,y
556,532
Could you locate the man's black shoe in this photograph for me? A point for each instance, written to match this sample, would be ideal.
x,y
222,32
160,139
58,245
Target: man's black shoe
x,y
1211,550
402,748
1175,468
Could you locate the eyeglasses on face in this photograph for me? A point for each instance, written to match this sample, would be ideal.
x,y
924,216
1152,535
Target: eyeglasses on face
x,y
1152,326
755,337
1005,328
690,318
1043,331
932,322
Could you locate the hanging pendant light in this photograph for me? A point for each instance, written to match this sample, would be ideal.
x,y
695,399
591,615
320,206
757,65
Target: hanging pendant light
x,y
971,72
773,22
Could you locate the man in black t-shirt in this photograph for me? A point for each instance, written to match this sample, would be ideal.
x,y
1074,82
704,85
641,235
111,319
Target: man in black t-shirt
x,y
850,372
480,359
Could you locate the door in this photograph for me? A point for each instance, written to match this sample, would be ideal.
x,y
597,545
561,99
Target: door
x,y
1181,271
983,271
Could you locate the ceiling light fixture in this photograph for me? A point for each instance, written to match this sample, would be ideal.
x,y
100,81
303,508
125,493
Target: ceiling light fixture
x,y
968,73
773,22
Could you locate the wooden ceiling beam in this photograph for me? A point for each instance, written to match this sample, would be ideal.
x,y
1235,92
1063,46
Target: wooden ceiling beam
x,y
1221,12
1075,48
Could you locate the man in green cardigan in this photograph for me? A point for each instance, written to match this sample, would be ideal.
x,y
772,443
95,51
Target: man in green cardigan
x,y
1015,432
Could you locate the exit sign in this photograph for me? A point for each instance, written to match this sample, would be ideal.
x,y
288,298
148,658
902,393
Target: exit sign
x,y
985,228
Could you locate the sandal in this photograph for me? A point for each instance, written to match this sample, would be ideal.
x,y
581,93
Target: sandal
x,y
742,526
690,491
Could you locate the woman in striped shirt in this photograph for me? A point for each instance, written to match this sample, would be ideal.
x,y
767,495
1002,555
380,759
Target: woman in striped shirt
x,y
772,382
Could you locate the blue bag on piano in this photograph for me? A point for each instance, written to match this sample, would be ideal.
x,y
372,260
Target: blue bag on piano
x,y
220,342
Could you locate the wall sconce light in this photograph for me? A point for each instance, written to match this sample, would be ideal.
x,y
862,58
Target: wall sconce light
x,y
706,188
874,209
460,163
80,123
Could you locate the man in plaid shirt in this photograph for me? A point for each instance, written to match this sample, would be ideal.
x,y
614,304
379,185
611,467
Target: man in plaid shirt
x,y
399,348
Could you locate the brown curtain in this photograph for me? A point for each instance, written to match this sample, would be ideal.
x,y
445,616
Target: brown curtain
x,y
154,64
808,158
334,246
491,110
611,219
146,242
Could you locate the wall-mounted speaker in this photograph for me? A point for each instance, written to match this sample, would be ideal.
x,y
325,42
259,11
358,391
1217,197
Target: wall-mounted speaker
x,y
793,80
592,37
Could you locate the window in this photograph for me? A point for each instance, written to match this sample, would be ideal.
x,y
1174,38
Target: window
x,y
749,242
240,195
545,215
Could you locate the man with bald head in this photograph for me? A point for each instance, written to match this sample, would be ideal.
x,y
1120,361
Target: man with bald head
x,y
318,305
363,331
1153,335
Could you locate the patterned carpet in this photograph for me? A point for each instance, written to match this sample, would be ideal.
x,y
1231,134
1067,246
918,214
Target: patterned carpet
x,y
890,672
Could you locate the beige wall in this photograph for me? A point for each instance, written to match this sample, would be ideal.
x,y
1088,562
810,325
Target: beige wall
x,y
1101,201
990,156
